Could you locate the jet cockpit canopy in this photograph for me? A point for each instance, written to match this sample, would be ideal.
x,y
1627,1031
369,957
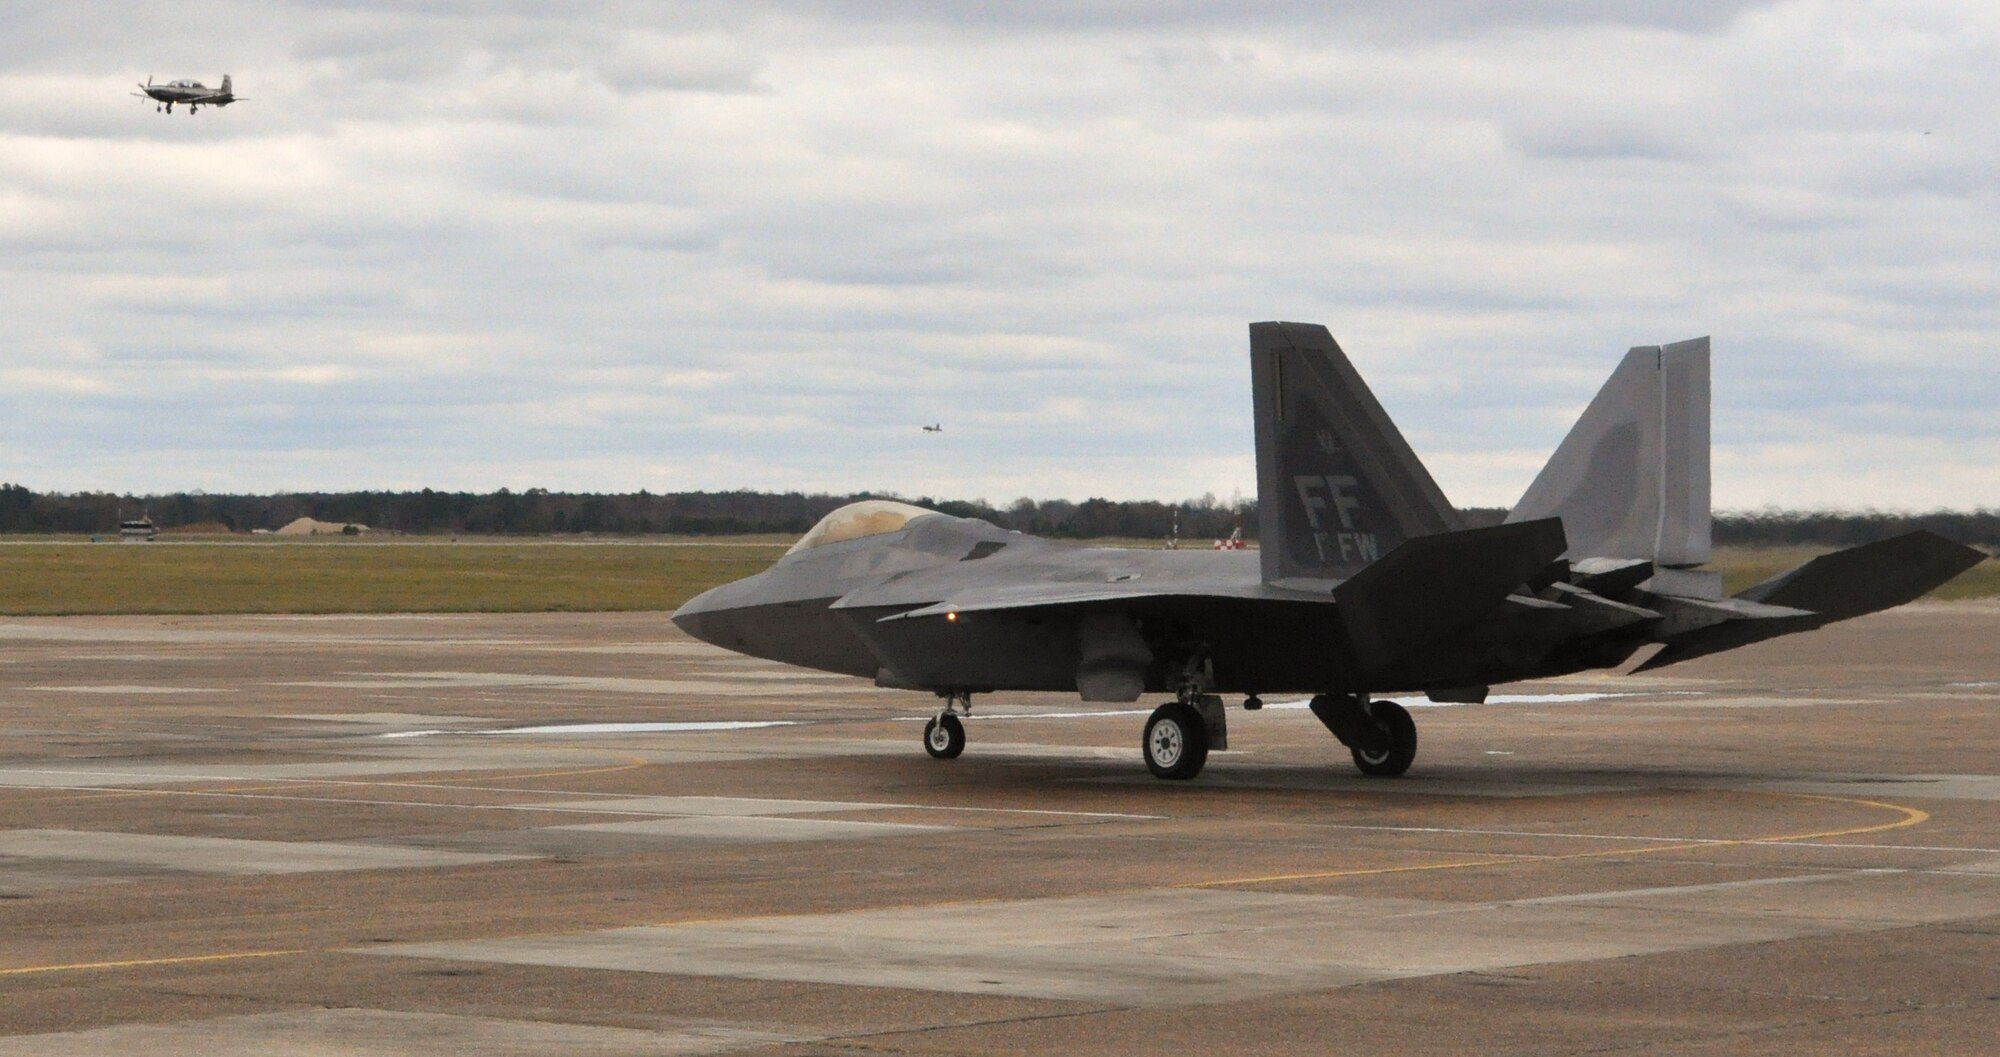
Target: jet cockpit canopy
x,y
870,517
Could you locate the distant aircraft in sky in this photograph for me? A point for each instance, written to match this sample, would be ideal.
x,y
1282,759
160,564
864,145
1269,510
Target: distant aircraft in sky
x,y
1368,581
192,93
935,427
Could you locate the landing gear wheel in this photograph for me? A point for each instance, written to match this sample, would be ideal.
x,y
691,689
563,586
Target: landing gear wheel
x,y
1176,742
944,737
1394,758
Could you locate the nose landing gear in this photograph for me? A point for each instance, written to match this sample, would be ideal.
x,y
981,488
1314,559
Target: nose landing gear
x,y
944,735
1180,733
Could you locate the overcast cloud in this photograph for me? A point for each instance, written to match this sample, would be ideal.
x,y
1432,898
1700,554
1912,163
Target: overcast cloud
x,y
611,246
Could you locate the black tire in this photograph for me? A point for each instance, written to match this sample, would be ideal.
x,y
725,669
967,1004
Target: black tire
x,y
1176,742
944,737
1402,749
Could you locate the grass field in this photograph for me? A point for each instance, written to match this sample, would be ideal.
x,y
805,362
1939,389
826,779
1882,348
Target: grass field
x,y
365,577
485,576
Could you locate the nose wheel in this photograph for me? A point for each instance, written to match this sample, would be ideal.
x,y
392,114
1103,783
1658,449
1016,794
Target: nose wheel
x,y
1175,742
944,735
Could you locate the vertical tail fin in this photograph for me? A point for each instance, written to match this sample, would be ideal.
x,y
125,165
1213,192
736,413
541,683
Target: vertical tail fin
x,y
1337,486
1631,478
226,90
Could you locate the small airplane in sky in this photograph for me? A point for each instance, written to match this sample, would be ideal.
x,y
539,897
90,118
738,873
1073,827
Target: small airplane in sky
x,y
1368,580
935,427
193,94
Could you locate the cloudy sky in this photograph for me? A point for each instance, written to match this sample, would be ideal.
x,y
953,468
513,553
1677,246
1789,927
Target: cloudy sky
x,y
611,246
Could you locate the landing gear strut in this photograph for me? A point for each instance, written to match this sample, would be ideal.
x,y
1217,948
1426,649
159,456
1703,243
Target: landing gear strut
x,y
1380,734
1179,734
944,736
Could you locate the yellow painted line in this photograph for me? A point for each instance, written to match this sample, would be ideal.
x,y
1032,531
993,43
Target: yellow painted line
x,y
131,963
1910,817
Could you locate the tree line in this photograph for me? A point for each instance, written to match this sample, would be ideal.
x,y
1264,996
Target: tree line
x,y
538,511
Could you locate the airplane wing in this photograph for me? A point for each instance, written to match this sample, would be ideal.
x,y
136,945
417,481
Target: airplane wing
x,y
1045,596
1426,589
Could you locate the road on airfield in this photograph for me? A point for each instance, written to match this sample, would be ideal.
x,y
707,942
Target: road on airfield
x,y
251,835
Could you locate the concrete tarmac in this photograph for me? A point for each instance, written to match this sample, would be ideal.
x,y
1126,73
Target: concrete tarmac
x,y
532,834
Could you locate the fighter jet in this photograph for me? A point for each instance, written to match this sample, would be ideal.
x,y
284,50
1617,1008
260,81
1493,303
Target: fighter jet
x,y
193,94
1367,581
935,427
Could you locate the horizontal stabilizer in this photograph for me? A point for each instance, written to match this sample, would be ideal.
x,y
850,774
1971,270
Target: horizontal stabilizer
x,y
1713,627
1870,577
1434,586
1837,586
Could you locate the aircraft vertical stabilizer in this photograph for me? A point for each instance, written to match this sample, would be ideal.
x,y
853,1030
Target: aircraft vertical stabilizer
x,y
1337,486
1631,478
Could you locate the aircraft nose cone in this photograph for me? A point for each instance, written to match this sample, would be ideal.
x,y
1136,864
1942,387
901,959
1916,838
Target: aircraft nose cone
x,y
699,616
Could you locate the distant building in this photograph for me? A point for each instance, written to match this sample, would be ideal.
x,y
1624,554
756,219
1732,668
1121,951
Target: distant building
x,y
306,526
137,530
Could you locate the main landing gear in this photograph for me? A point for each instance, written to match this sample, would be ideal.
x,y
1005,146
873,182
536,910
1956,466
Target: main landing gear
x,y
1380,734
944,735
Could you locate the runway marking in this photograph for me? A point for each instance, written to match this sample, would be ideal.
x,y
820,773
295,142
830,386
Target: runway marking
x,y
1911,817
1675,890
253,794
561,730
133,963
631,763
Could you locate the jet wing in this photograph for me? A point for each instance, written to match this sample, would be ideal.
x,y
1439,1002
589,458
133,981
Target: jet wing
x,y
1426,589
1043,596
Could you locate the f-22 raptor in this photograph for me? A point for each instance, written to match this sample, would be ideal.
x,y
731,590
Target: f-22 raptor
x,y
1367,581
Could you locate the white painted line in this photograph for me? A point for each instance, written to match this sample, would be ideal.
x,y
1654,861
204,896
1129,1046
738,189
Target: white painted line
x,y
1676,890
562,729
107,688
1658,838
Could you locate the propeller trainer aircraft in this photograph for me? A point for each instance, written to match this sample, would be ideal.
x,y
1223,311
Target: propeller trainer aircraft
x,y
193,94
1367,581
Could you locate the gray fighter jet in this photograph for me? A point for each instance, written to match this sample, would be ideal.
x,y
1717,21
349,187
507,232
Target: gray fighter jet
x,y
192,94
1367,581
